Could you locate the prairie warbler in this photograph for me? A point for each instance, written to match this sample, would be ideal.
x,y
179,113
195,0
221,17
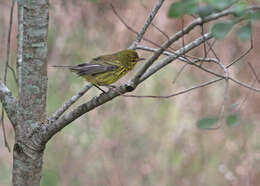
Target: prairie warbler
x,y
107,69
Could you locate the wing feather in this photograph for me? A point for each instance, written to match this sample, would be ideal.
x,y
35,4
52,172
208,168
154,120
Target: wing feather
x,y
92,69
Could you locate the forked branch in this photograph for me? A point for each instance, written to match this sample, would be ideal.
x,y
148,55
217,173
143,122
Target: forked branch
x,y
57,122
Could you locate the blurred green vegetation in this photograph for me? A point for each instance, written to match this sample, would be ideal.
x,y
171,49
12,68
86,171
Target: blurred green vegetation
x,y
134,141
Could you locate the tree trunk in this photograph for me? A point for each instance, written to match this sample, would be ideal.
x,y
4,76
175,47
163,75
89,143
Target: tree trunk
x,y
32,79
27,165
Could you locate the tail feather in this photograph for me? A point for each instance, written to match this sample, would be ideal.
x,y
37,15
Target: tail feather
x,y
62,66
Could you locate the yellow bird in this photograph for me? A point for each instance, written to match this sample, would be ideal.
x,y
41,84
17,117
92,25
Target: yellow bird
x,y
107,69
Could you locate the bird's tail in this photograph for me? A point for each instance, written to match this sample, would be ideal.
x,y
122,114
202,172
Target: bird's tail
x,y
62,66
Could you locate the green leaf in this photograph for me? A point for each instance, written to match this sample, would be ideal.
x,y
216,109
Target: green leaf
x,y
240,8
221,4
233,106
220,30
207,122
245,32
232,120
204,11
253,15
180,8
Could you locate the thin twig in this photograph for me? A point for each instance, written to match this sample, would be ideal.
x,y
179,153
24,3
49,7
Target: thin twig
x,y
175,37
130,28
136,33
204,44
211,49
14,74
179,73
156,27
20,44
122,20
6,67
243,55
211,44
183,38
172,57
68,103
177,93
223,107
169,59
182,58
226,72
245,85
249,92
232,79
254,72
148,22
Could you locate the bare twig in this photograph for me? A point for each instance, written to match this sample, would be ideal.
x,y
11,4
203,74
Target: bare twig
x,y
14,74
254,72
179,73
177,36
182,58
161,31
122,20
6,67
226,72
167,60
230,78
167,53
20,44
8,42
148,22
68,103
212,50
204,44
136,33
156,27
183,38
243,55
249,92
131,29
194,62
225,98
245,85
177,93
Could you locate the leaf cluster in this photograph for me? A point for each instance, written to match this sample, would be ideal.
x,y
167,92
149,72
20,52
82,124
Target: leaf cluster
x,y
209,122
204,8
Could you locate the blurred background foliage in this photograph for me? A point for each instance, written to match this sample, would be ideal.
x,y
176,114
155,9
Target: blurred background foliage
x,y
138,142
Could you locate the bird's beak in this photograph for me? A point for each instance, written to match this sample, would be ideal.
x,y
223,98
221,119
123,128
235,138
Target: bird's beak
x,y
141,59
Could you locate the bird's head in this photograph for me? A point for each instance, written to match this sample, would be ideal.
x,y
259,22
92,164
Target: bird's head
x,y
129,57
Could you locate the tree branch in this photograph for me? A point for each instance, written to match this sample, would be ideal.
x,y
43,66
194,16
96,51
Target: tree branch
x,y
169,59
71,101
52,128
178,93
176,37
147,23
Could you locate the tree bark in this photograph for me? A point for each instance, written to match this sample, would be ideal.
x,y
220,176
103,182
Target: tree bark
x,y
27,165
31,105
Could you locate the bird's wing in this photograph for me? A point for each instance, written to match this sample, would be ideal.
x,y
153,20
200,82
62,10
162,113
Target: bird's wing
x,y
92,69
